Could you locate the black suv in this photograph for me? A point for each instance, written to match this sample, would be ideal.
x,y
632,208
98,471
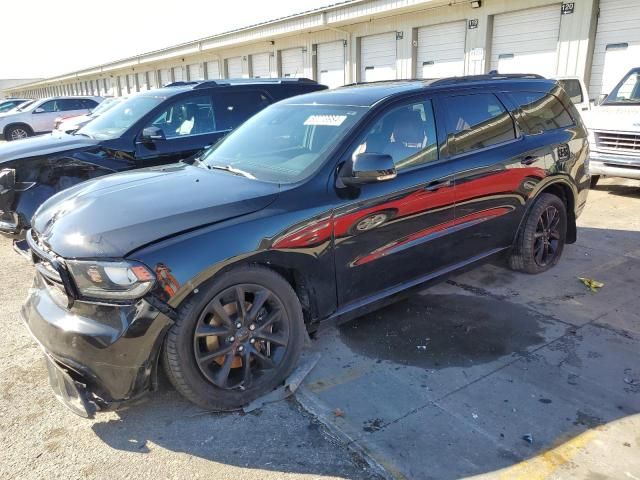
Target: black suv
x,y
151,128
319,207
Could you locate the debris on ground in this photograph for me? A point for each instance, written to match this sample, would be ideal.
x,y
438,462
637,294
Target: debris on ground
x,y
631,381
592,284
338,413
528,438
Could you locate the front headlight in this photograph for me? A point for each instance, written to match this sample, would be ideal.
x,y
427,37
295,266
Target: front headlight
x,y
120,280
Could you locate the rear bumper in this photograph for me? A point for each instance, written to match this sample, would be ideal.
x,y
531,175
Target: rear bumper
x,y
614,165
99,356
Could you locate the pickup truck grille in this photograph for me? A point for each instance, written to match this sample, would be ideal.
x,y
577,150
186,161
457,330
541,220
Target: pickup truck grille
x,y
628,142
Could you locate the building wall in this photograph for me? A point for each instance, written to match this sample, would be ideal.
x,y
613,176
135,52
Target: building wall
x,y
348,22
8,85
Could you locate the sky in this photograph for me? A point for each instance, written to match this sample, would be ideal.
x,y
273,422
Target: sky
x,y
61,36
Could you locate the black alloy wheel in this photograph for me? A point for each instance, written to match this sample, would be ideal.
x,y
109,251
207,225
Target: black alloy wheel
x,y
241,335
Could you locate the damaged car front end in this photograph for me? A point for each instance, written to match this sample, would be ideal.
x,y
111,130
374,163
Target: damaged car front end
x,y
100,324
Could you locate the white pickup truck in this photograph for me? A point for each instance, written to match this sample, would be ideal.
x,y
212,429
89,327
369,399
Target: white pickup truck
x,y
614,131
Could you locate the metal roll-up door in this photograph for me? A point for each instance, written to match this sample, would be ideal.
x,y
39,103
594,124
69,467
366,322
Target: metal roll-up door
x,y
378,55
234,67
292,62
142,82
131,81
261,65
122,82
178,74
526,41
213,70
330,63
441,50
617,45
165,77
195,72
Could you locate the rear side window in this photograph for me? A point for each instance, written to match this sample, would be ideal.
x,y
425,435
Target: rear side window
x,y
476,121
540,112
233,108
68,104
573,89
88,103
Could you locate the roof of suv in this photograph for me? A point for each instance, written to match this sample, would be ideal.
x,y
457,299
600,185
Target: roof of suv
x,y
180,87
368,94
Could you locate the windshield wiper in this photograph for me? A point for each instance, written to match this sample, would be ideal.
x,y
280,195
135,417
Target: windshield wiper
x,y
230,169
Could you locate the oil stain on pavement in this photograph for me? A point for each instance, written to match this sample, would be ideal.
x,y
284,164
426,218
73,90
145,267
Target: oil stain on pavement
x,y
439,331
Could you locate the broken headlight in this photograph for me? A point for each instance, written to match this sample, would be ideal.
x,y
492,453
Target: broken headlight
x,y
118,280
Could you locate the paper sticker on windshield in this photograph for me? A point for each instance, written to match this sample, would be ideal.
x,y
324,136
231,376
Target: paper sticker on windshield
x,y
326,120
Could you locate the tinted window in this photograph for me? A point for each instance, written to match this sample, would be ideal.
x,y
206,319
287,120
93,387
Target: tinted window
x,y
627,91
573,89
407,133
88,104
67,104
233,108
540,112
50,106
476,121
189,116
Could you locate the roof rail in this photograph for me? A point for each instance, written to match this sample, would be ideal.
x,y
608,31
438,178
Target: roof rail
x,y
378,82
270,80
179,84
490,76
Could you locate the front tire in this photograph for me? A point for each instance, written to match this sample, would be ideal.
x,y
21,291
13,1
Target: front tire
x,y
235,340
542,236
17,132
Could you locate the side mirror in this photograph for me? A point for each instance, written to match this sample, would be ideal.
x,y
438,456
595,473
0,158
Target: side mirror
x,y
39,110
152,134
370,168
601,98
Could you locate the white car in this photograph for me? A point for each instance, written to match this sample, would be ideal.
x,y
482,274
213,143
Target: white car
x,y
39,116
577,91
69,124
614,131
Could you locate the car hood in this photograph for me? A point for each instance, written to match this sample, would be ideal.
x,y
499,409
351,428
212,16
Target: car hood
x,y
613,117
42,146
116,214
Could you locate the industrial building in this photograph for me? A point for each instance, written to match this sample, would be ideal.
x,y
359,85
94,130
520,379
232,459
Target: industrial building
x,y
369,40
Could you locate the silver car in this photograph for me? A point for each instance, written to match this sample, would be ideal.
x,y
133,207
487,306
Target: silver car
x,y
39,116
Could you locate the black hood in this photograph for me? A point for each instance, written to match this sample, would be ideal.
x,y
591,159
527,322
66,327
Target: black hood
x,y
43,145
114,215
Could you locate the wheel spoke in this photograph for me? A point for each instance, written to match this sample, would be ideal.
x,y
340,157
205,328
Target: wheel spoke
x,y
221,376
246,369
555,234
259,300
208,357
265,361
281,340
207,330
270,320
242,313
539,253
538,235
216,307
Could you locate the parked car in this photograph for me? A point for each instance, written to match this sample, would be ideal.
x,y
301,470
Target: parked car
x,y
577,91
151,128
39,116
319,207
614,131
11,103
68,124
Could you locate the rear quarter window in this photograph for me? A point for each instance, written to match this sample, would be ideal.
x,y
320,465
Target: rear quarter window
x,y
540,112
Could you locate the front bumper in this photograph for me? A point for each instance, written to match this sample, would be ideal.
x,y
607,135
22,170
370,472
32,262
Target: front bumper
x,y
614,165
99,355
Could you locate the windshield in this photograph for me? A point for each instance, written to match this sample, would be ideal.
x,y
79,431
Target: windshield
x,y
113,122
283,143
105,105
627,91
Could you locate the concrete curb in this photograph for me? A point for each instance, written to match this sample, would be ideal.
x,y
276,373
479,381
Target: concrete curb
x,y
360,447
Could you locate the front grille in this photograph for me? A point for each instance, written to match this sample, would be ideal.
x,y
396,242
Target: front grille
x,y
627,142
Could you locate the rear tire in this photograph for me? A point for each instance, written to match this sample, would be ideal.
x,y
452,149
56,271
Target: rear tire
x,y
594,180
249,366
17,132
541,237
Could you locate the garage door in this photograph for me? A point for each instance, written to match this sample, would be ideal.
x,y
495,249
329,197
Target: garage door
x,y
378,57
617,46
195,72
260,65
142,81
165,77
441,50
526,41
292,62
213,70
178,74
234,67
330,63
